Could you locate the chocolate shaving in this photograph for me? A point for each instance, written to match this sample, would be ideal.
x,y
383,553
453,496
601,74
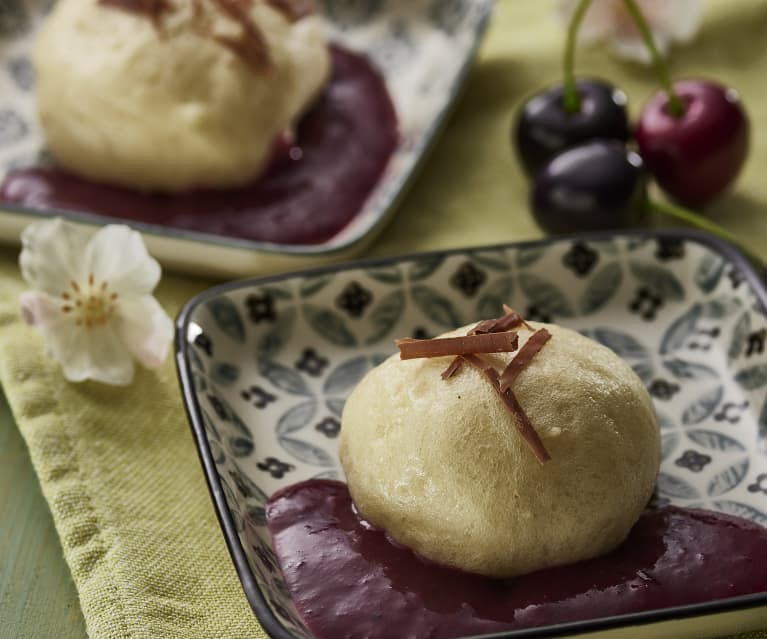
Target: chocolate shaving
x,y
524,357
464,345
251,45
521,420
510,319
294,10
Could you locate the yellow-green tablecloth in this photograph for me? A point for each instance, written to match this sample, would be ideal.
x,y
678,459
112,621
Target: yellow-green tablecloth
x,y
118,467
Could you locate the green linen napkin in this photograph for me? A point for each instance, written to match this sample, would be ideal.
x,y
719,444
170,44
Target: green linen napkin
x,y
118,466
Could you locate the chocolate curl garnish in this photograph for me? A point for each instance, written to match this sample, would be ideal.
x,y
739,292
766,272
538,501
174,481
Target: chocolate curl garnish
x,y
464,345
251,45
294,10
524,357
521,420
510,319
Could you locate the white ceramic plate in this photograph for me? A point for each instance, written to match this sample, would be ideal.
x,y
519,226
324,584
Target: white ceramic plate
x,y
266,366
423,48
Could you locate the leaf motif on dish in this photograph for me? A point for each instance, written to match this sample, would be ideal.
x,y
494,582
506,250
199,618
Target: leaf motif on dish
x,y
272,341
435,306
627,347
493,260
668,445
703,406
246,485
740,510
680,330
330,325
349,13
210,425
346,376
217,452
12,128
600,288
296,418
314,284
714,440
240,446
494,297
335,406
683,370
385,315
673,486
721,307
389,274
225,374
664,421
306,452
277,291
424,267
328,474
529,255
196,360
752,377
545,296
283,377
739,337
727,479
709,271
227,318
762,428
659,280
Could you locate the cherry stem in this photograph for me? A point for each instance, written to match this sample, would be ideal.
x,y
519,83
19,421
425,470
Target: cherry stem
x,y
571,99
698,221
675,104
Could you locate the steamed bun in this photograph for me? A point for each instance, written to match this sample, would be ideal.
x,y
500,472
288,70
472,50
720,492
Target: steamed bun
x,y
439,465
166,104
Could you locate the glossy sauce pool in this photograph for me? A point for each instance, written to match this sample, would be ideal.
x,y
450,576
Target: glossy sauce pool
x,y
310,192
349,581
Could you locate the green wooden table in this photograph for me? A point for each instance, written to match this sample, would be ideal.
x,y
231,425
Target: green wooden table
x,y
37,596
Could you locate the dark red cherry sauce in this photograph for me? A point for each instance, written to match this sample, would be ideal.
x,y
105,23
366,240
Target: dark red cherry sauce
x,y
309,193
349,581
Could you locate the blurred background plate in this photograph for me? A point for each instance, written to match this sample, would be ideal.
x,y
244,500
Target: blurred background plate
x,y
423,48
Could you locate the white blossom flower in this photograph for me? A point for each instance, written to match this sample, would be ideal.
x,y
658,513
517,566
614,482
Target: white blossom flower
x,y
91,299
669,20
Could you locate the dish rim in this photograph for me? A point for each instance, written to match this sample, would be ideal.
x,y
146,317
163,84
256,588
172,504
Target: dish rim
x,y
331,247
253,593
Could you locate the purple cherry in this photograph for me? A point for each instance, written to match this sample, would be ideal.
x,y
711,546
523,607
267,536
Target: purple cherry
x,y
544,127
697,155
597,185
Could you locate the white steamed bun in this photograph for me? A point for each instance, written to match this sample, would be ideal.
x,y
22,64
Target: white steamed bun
x,y
439,465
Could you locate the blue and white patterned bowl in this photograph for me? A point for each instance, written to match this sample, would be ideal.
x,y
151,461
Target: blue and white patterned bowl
x,y
266,366
423,48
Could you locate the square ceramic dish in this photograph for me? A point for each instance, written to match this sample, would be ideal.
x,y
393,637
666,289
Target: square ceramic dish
x,y
423,48
266,365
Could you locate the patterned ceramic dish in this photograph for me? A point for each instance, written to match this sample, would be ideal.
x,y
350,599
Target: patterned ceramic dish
x,y
266,365
423,48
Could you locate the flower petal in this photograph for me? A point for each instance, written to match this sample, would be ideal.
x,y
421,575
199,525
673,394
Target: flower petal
x,y
145,329
117,254
679,19
51,255
39,309
91,353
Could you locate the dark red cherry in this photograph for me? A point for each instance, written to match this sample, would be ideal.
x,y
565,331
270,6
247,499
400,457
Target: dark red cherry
x,y
544,127
696,156
597,185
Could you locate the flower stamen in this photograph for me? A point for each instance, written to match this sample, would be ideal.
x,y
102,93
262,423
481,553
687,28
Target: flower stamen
x,y
92,309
